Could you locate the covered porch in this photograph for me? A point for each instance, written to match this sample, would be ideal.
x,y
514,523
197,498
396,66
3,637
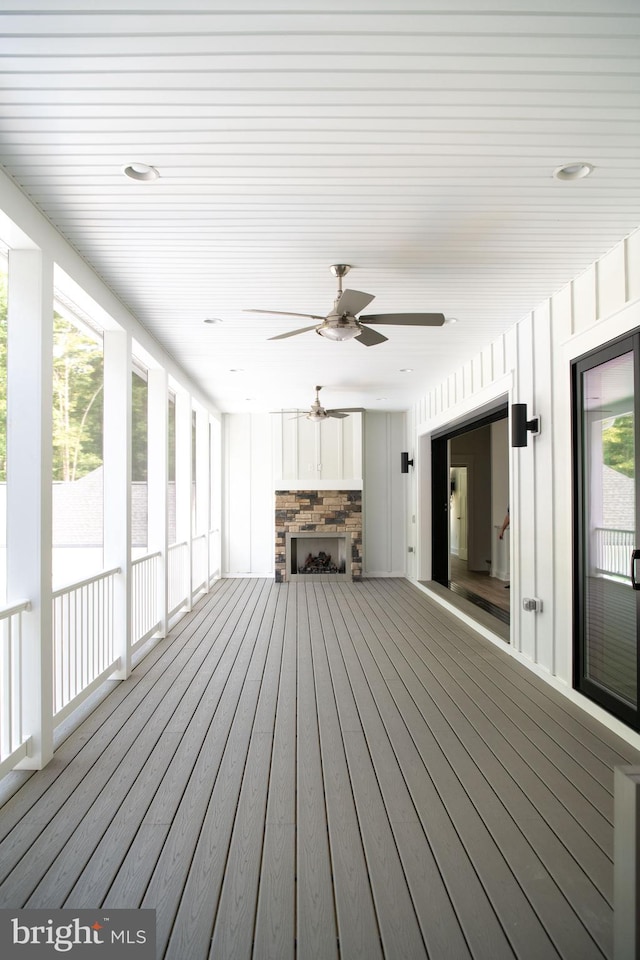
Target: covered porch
x,y
327,770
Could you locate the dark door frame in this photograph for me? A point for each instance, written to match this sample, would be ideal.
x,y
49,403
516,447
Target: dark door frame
x,y
629,343
440,486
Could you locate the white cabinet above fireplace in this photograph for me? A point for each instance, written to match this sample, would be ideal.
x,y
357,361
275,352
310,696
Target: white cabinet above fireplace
x,y
318,455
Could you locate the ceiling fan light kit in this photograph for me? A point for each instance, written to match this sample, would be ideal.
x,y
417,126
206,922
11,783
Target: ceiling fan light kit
x,y
343,324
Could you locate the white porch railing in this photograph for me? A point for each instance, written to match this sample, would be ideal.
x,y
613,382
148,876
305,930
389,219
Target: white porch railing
x,y
86,641
145,598
178,586
13,739
612,554
83,639
199,564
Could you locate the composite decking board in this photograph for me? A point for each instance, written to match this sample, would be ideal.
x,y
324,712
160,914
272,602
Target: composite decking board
x,y
107,829
186,880
358,932
233,932
526,934
16,808
570,783
396,699
274,933
397,920
205,692
474,911
439,925
131,784
460,742
316,929
559,818
584,770
564,714
188,780
56,817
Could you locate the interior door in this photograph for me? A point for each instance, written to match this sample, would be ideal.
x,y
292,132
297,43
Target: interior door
x,y
607,587
463,551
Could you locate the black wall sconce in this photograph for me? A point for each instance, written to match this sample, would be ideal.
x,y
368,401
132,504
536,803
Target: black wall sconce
x,y
405,463
520,426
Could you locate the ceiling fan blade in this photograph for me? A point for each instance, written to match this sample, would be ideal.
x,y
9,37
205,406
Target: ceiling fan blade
x,y
405,319
369,337
337,414
286,313
353,301
292,333
346,410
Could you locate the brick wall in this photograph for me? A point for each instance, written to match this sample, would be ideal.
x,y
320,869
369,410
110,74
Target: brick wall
x,y
325,511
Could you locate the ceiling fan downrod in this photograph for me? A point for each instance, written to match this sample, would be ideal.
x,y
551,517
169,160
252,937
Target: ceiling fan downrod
x,y
339,270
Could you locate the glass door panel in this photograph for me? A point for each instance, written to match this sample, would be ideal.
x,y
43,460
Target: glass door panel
x,y
608,603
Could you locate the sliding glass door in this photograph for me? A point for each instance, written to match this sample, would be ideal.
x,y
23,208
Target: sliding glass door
x,y
607,568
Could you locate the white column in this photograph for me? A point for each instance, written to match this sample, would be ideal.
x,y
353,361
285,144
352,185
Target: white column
x,y
215,497
626,863
157,482
202,483
29,459
117,485
184,478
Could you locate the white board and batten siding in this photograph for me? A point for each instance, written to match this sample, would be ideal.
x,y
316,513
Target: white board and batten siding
x,y
531,364
384,496
264,453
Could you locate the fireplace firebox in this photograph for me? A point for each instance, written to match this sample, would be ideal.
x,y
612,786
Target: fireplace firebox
x,y
312,555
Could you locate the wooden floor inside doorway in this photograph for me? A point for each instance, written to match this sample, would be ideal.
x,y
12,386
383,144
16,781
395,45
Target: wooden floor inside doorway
x,y
328,771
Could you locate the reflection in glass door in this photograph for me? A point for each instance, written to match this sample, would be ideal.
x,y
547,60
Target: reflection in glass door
x,y
605,387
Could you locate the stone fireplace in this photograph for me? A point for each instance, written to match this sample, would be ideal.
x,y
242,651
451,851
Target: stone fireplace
x,y
318,534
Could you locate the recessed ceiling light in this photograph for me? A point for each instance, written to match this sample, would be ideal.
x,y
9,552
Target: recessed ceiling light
x,y
406,370
142,172
382,398
573,171
236,370
213,320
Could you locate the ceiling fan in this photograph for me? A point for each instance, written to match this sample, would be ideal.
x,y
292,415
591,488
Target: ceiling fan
x,y
317,412
343,324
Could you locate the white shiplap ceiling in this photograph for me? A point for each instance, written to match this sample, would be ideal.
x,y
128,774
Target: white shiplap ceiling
x,y
415,141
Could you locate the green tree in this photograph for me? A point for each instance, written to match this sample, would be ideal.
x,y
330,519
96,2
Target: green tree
x,y
139,418
77,402
618,445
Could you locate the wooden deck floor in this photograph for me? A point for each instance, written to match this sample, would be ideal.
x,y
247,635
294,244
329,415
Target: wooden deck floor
x,y
324,771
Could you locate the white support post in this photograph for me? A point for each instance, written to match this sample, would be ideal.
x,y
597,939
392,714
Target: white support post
x,y
626,863
184,478
117,485
157,483
202,482
29,497
215,495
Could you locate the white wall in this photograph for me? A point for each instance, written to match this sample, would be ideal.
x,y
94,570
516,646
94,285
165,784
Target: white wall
x,y
531,363
384,496
267,452
248,502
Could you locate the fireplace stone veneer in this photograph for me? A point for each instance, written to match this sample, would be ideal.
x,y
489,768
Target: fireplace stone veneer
x,y
321,511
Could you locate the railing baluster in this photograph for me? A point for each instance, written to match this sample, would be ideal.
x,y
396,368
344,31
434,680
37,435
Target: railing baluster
x,y
12,734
